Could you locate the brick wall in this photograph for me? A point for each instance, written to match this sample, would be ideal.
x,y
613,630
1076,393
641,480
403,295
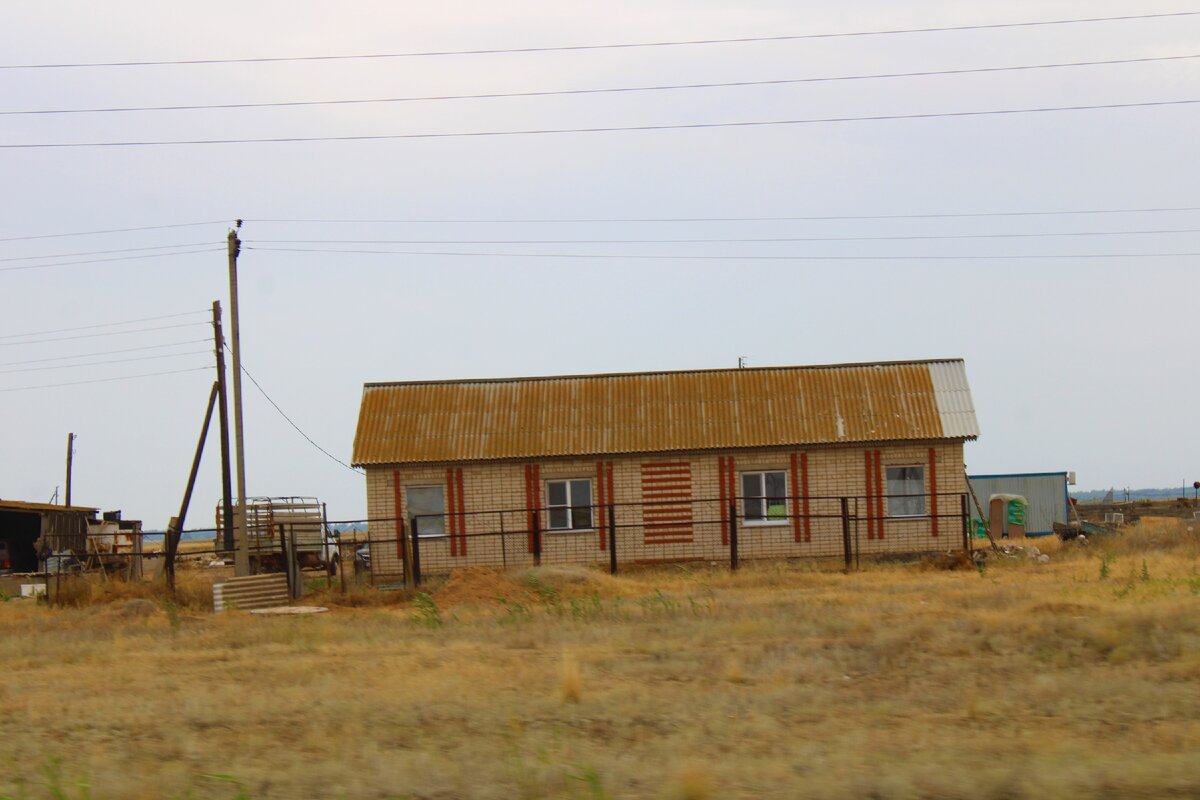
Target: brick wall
x,y
671,507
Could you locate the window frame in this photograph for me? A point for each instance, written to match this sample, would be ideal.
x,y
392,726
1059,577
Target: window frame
x,y
570,507
905,497
408,504
766,519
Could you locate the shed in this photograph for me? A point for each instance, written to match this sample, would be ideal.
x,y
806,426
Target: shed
x,y
25,527
483,466
1045,494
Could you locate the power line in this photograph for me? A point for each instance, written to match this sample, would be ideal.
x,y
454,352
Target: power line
x,y
760,240
103,363
677,257
103,380
109,333
605,90
106,252
290,422
103,353
608,129
609,46
818,218
111,230
104,324
106,260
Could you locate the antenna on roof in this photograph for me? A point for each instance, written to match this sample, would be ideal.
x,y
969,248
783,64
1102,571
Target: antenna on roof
x,y
742,361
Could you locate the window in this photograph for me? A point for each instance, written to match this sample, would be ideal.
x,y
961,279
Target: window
x,y
764,496
429,504
570,504
906,491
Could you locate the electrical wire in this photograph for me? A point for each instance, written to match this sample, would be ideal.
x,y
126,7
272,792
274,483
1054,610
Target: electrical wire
x,y
307,438
103,325
606,90
608,46
107,252
603,129
928,237
103,363
102,380
106,260
677,257
820,218
104,353
111,230
108,333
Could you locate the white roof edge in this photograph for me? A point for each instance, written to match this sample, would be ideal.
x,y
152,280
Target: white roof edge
x,y
953,396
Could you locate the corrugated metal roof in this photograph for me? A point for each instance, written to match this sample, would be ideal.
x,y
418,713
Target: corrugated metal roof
x,y
22,505
474,420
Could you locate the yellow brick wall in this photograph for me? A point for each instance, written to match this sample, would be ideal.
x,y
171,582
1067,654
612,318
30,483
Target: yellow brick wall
x,y
496,516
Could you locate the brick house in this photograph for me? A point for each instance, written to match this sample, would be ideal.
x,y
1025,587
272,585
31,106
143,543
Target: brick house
x,y
671,463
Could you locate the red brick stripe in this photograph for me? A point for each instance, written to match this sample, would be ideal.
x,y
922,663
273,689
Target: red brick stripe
x,y
462,515
804,495
724,501
870,505
452,517
933,498
880,498
399,515
796,532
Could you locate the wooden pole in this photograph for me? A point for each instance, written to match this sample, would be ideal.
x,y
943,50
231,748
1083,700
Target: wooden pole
x,y
242,551
223,418
70,458
175,531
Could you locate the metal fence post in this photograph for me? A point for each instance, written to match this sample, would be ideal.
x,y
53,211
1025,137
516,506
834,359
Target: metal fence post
x,y
612,539
416,551
733,536
537,540
966,523
294,564
846,530
287,570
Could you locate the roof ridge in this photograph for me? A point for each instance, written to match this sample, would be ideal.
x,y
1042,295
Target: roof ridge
x,y
711,371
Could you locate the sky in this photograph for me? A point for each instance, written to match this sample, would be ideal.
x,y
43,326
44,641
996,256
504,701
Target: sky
x,y
901,237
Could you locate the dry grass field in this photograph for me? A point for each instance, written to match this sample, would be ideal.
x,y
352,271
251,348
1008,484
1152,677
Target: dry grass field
x,y
1076,678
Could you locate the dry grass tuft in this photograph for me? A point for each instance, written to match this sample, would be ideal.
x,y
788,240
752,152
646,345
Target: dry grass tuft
x,y
572,679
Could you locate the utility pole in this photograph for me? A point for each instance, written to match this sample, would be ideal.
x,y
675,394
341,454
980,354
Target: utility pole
x,y
241,555
70,455
223,418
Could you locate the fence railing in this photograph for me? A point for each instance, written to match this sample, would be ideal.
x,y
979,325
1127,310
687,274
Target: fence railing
x,y
614,536
623,534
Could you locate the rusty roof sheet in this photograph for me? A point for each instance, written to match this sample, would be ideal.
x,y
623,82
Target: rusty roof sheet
x,y
650,412
22,505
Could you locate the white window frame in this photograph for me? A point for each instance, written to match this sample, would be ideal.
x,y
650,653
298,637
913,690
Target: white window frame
x,y
905,497
762,487
570,506
426,517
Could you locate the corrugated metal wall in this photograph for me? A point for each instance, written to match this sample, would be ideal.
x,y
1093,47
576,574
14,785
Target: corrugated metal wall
x,y
1046,493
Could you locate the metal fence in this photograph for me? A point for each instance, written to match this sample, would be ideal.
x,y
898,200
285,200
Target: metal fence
x,y
619,535
615,536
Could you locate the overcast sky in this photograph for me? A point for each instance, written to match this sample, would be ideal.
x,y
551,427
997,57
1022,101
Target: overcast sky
x,y
1083,362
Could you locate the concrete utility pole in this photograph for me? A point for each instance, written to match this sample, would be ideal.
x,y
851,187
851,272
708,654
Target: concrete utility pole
x,y
227,540
241,555
70,457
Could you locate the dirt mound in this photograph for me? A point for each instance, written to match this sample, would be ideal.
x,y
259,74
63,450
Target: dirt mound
x,y
478,586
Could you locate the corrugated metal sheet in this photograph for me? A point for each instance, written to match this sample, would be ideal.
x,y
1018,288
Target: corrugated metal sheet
x,y
953,397
432,422
1046,493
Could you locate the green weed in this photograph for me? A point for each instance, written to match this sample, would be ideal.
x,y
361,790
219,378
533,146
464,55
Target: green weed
x,y
426,611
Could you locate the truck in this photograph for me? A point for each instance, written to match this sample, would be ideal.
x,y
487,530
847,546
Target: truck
x,y
273,523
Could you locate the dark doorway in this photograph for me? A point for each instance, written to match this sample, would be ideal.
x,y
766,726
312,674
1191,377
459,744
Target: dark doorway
x,y
20,529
